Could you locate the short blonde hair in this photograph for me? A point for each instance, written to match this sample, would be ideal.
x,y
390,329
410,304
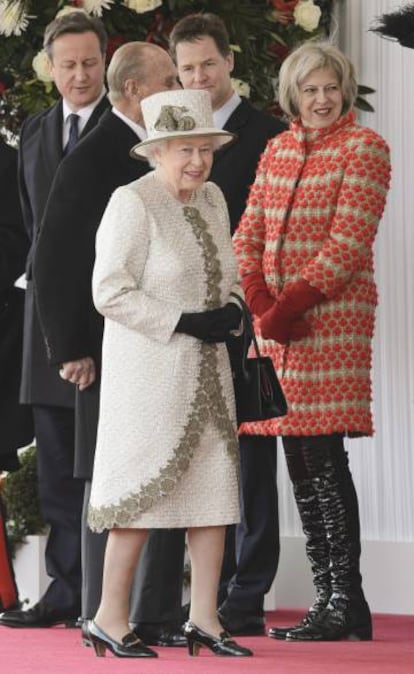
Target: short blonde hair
x,y
305,59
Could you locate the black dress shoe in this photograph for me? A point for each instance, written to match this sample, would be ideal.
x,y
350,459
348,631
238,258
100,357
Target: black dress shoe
x,y
282,632
222,645
40,615
130,647
242,624
161,634
311,616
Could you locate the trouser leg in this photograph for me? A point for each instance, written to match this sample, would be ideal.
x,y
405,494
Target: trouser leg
x,y
61,499
157,589
257,536
93,554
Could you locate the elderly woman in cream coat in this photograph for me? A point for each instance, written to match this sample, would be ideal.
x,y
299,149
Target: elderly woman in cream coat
x,y
167,453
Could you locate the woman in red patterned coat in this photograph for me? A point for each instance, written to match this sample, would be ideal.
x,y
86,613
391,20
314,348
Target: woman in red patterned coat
x,y
305,251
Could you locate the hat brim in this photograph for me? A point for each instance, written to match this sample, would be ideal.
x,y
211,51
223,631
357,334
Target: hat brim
x,y
140,151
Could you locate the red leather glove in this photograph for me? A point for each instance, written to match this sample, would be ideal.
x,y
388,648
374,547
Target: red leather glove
x,y
283,322
257,296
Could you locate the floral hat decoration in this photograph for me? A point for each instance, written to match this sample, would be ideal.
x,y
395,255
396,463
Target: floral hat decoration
x,y
398,26
180,113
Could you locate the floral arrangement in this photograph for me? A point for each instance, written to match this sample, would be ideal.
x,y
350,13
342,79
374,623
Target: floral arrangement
x,y
262,33
20,497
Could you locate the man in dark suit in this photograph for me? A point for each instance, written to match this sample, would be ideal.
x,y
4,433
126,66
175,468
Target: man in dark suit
x,y
200,47
73,328
76,45
16,426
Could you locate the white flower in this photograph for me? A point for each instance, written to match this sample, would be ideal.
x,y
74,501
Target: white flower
x,y
96,6
13,19
307,15
142,6
68,9
240,87
41,66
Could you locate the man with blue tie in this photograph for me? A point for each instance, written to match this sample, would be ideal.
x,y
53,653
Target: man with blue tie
x,y
73,329
76,46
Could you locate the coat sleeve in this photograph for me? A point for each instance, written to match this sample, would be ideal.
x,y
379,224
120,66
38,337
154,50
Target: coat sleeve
x,y
14,244
122,246
360,204
65,254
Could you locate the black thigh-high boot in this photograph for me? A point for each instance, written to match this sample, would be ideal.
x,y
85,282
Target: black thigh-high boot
x,y
347,615
317,549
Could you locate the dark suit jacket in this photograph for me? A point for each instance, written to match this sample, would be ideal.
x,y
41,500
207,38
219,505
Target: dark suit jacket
x,y
234,166
234,170
40,154
16,428
66,253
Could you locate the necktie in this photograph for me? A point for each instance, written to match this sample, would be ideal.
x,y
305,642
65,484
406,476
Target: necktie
x,y
73,133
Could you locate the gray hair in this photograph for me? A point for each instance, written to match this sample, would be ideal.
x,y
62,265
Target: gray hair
x,y
75,22
131,61
305,59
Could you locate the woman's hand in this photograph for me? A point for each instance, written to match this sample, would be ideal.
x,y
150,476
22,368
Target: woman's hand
x,y
284,322
215,325
226,320
283,331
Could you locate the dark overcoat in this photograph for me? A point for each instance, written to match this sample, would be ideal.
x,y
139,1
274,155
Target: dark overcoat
x,y
234,166
66,253
40,154
16,426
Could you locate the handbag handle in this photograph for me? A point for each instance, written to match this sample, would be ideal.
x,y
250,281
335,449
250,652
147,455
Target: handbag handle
x,y
248,333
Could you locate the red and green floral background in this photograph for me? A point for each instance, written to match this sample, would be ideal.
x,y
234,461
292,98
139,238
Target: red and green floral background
x,y
262,33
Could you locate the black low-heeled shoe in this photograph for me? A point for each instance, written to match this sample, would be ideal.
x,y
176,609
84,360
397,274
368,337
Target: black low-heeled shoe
x,y
222,645
131,646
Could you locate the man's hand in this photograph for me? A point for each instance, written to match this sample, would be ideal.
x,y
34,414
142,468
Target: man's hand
x,y
80,372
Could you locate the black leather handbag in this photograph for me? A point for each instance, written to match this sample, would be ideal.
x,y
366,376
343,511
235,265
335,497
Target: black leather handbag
x,y
258,393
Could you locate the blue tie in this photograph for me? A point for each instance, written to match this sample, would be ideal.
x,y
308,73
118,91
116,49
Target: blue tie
x,y
73,133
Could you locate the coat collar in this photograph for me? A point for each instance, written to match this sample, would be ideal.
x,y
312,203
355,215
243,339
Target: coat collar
x,y
51,131
239,117
51,135
313,136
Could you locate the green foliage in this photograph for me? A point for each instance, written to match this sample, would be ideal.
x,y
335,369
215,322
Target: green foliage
x,y
360,102
260,35
20,496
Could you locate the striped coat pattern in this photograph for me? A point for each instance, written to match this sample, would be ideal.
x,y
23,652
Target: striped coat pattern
x,y
313,213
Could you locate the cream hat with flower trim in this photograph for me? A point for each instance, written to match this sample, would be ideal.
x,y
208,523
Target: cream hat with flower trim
x,y
181,113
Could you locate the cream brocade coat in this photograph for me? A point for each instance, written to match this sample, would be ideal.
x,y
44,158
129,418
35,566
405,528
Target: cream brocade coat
x,y
167,450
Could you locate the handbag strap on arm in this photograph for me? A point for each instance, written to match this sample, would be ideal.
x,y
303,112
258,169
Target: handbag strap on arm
x,y
248,332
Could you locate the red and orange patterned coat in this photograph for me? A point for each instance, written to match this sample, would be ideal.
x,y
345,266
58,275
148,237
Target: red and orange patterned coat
x,y
313,213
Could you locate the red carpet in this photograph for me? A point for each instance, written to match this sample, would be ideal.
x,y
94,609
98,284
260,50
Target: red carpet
x,y
59,651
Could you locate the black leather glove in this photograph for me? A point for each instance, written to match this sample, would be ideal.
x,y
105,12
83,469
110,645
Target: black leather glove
x,y
211,326
226,319
197,324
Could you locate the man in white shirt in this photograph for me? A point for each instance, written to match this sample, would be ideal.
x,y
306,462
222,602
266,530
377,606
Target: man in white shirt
x,y
73,328
76,45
